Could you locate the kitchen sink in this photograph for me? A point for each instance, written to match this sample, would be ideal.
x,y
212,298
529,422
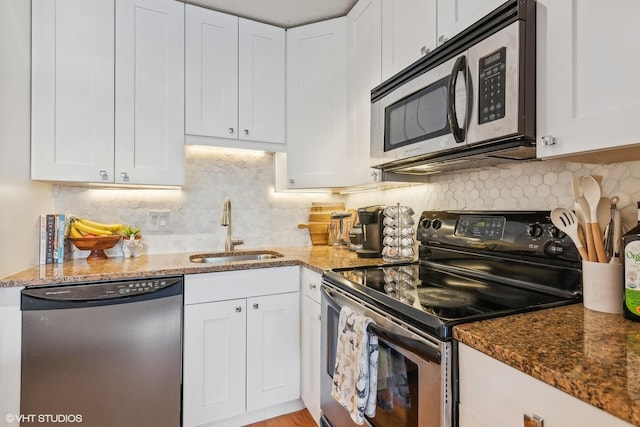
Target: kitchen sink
x,y
235,256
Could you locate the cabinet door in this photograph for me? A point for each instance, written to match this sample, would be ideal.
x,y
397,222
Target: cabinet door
x,y
456,15
588,91
149,147
72,88
273,350
211,73
364,23
10,353
214,361
317,104
310,356
408,32
493,394
261,82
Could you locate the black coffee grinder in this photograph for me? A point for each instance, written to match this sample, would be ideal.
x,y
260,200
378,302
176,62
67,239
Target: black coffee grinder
x,y
371,218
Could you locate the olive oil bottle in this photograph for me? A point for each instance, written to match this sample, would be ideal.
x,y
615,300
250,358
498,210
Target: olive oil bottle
x,y
631,270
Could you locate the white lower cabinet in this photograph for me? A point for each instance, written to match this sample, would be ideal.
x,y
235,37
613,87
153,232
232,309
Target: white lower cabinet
x,y
493,394
310,341
241,346
10,354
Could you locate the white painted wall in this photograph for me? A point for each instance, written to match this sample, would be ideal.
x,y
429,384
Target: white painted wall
x,y
21,200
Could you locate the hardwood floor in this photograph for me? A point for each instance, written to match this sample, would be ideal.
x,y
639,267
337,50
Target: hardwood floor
x,y
295,419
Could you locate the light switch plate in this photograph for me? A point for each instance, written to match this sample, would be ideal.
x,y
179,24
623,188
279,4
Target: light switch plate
x,y
159,220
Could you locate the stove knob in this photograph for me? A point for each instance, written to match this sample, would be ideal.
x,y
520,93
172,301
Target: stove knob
x,y
425,223
436,224
534,230
556,233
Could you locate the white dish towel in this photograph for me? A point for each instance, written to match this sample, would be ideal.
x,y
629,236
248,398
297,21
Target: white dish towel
x,y
355,377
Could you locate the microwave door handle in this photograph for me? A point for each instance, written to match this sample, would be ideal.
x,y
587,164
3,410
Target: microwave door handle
x,y
404,342
457,131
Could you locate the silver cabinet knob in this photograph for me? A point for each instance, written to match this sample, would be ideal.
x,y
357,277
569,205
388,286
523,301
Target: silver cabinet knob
x,y
238,309
104,176
312,286
374,175
246,132
124,176
424,50
442,39
292,181
230,130
548,140
256,306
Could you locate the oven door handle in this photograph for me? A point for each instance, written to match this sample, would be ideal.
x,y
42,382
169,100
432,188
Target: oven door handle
x,y
408,343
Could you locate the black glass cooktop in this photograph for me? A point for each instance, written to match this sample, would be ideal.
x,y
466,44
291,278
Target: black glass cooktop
x,y
435,300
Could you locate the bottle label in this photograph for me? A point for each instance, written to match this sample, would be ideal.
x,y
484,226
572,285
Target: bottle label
x,y
632,276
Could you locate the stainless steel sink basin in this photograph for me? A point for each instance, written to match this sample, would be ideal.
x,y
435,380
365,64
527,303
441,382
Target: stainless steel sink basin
x,y
235,256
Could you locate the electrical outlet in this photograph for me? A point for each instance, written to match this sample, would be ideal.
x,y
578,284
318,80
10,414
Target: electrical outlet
x,y
159,220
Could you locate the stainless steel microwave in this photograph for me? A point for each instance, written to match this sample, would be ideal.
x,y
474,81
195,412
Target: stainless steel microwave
x,y
473,105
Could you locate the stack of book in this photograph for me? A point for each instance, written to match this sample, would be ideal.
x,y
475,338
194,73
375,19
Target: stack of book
x,y
52,237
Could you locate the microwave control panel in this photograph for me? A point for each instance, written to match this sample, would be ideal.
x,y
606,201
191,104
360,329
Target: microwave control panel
x,y
492,83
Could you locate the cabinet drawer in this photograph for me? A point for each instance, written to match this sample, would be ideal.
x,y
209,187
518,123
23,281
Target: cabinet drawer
x,y
310,283
224,285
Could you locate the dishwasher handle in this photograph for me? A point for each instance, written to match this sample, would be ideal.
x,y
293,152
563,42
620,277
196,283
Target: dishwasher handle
x,y
100,293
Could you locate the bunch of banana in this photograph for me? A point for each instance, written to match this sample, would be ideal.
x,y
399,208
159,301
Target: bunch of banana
x,y
82,227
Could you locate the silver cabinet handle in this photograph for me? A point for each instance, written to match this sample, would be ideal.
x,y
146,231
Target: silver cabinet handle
x,y
238,309
548,140
230,130
124,176
246,132
104,175
256,306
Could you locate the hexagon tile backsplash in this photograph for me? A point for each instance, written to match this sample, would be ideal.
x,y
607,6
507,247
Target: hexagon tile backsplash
x,y
264,217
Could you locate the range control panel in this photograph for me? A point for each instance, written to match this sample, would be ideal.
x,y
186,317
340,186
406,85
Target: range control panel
x,y
528,233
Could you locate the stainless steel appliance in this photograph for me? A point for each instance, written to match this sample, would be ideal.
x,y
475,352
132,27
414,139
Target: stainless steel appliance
x,y
471,266
469,103
103,354
371,218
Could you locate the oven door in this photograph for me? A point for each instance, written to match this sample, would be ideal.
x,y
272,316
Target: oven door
x,y
414,386
425,115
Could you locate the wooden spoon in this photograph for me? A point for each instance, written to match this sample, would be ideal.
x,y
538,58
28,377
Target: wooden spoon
x,y
592,193
566,221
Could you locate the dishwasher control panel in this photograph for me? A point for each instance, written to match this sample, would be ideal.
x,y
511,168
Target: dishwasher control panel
x,y
100,291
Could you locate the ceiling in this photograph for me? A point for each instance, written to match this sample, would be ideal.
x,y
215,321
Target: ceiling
x,y
283,13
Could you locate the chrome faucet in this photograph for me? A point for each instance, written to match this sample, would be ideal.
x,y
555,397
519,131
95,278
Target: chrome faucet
x,y
230,242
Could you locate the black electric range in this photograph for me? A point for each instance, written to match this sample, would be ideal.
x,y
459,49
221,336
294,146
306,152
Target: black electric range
x,y
472,266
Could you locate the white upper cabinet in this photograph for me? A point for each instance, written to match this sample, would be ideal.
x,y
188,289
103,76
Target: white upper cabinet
x,y
149,143
211,64
588,91
235,80
364,49
261,82
408,33
317,104
91,123
72,90
456,15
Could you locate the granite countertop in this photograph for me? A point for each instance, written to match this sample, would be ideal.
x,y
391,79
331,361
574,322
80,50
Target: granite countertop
x,y
318,258
590,355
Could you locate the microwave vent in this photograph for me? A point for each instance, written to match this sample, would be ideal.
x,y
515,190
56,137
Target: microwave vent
x,y
516,153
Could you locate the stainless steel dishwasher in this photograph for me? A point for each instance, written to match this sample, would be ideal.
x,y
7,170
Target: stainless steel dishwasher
x,y
103,354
